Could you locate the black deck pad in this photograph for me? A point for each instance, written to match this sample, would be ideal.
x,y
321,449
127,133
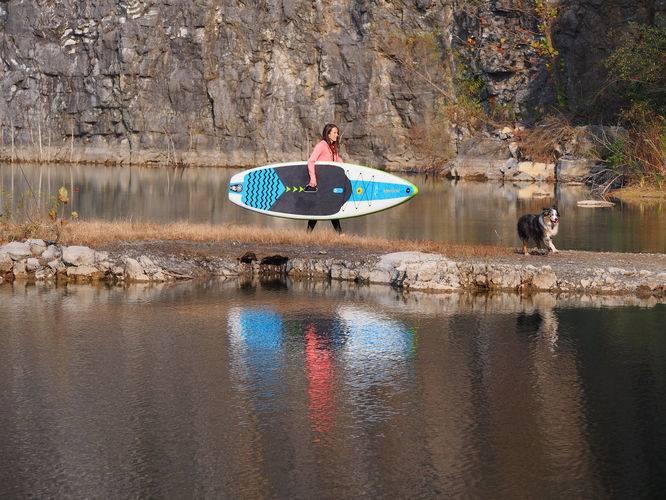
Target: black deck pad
x,y
326,201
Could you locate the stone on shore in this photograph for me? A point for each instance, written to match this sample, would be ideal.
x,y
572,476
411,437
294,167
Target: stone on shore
x,y
574,170
101,256
134,271
51,252
78,256
416,270
16,250
480,158
37,247
84,273
529,171
544,279
32,265
6,263
57,265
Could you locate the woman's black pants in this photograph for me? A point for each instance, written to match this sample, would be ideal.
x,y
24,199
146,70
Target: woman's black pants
x,y
335,222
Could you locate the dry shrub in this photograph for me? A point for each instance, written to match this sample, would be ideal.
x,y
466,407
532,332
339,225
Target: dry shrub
x,y
645,149
637,156
33,217
543,142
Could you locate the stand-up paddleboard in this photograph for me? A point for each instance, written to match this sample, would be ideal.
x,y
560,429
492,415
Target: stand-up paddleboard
x,y
343,190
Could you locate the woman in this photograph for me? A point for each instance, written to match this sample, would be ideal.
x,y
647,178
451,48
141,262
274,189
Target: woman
x,y
325,150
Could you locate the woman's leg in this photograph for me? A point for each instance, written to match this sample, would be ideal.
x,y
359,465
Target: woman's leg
x,y
311,225
336,225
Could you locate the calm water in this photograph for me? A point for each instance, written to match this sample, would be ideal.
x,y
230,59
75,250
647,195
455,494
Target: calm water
x,y
462,212
329,391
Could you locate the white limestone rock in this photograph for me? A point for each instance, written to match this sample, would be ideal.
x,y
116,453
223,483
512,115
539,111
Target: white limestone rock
x,y
134,271
101,256
6,263
57,265
532,171
544,279
16,250
32,265
78,256
84,273
416,270
104,265
51,252
503,278
37,247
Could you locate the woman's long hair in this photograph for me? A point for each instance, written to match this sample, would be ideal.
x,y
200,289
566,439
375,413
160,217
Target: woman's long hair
x,y
333,146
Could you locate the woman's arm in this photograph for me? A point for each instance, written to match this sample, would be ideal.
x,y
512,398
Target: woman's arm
x,y
316,154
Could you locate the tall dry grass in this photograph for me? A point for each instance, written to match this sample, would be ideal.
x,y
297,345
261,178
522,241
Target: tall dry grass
x,y
99,233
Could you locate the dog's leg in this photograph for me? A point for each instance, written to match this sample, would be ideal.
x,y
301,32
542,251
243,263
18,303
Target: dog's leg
x,y
549,242
539,244
525,250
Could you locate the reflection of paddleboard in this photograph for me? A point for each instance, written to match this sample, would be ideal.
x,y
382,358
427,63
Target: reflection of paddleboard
x,y
371,335
343,190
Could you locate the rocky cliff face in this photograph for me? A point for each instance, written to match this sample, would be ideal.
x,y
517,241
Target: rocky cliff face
x,y
227,82
209,81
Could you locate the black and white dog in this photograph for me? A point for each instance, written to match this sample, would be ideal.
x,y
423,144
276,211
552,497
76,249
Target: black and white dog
x,y
539,227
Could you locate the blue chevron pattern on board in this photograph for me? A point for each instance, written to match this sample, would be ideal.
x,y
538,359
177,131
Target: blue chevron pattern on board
x,y
262,189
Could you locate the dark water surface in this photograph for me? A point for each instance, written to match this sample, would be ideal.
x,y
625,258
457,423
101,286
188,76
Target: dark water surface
x,y
330,391
454,212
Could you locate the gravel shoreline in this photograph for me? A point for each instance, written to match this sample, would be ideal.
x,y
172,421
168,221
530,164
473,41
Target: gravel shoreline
x,y
159,261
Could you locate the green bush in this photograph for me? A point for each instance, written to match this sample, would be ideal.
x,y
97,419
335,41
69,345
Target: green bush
x,y
638,66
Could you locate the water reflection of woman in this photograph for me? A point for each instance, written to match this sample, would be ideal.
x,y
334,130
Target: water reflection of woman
x,y
319,365
326,150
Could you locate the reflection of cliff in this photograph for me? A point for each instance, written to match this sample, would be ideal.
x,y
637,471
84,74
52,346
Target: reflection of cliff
x,y
621,361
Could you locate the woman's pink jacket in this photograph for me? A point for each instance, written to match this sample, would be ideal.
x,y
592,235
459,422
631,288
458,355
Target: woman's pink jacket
x,y
321,153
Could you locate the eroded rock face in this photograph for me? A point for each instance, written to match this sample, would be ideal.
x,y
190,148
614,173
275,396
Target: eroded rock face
x,y
216,82
221,82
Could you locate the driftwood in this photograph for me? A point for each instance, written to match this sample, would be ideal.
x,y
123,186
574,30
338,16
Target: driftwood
x,y
595,203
